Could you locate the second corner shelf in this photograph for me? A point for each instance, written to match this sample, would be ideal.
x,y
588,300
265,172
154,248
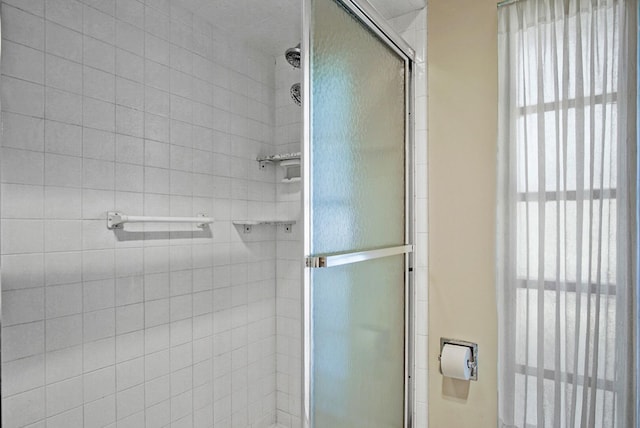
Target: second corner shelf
x,y
247,224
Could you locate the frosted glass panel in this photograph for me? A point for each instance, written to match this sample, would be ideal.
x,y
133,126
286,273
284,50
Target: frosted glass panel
x,y
358,131
357,200
358,345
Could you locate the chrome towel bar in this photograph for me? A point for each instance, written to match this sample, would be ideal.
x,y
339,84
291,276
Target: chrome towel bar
x,y
360,256
116,220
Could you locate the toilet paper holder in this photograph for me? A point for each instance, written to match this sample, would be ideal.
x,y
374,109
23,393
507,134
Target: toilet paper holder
x,y
473,364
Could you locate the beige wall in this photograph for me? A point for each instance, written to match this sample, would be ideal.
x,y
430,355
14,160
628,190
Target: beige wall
x,y
462,90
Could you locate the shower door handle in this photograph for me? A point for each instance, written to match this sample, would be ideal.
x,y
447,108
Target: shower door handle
x,y
331,260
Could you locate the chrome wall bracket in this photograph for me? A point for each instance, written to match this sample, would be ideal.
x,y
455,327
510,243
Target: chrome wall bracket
x,y
315,262
114,220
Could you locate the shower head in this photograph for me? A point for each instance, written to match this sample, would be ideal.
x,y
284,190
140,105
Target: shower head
x,y
293,56
295,93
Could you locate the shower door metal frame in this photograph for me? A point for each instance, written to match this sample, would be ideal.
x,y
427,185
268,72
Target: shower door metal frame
x,y
375,22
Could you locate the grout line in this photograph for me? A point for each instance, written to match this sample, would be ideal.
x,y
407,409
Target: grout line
x,y
144,202
82,253
44,168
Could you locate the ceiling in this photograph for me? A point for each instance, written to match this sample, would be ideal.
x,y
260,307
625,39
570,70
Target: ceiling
x,y
274,25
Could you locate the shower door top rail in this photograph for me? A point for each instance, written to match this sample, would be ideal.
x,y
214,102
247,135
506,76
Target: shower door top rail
x,y
116,220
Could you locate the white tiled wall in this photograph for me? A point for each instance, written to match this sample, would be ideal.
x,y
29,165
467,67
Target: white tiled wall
x,y
143,108
288,131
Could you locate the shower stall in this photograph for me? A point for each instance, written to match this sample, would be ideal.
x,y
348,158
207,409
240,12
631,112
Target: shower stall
x,y
213,213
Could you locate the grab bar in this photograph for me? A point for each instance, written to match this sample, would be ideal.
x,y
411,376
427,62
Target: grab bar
x,y
116,220
332,260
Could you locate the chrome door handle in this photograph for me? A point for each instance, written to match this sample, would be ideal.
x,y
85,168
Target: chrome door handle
x,y
331,260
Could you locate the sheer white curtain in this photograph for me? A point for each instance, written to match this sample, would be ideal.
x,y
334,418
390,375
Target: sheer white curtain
x,y
566,213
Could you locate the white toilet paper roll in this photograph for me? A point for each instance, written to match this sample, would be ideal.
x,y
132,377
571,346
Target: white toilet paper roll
x,y
454,361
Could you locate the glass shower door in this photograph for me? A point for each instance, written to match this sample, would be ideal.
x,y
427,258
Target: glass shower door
x,y
356,228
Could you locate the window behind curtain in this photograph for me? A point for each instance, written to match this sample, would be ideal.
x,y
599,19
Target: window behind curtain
x,y
561,295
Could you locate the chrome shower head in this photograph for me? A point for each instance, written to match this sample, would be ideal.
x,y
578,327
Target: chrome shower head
x,y
293,56
296,95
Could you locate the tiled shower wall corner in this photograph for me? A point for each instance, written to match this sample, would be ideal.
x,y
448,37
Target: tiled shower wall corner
x,y
141,108
288,134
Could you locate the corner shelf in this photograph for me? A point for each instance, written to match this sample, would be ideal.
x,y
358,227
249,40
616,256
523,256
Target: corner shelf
x,y
278,158
289,161
247,224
